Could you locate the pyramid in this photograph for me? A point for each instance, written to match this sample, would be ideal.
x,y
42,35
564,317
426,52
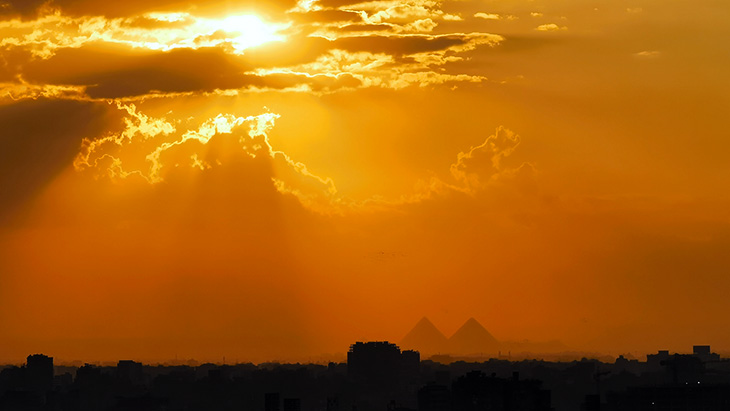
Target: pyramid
x,y
473,338
425,338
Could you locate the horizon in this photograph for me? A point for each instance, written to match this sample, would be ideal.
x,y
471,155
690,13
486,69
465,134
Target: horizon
x,y
504,352
566,356
275,180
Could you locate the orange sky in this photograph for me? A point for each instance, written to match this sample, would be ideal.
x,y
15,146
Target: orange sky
x,y
276,180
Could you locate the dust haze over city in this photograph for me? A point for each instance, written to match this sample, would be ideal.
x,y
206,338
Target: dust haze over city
x,y
249,181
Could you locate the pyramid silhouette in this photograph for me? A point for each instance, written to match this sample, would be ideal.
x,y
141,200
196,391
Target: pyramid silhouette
x,y
425,338
473,338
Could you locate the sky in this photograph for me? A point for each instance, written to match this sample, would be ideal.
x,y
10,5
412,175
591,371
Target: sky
x,y
277,180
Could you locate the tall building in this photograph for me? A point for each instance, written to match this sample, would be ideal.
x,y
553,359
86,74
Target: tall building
x,y
381,363
130,371
705,354
39,373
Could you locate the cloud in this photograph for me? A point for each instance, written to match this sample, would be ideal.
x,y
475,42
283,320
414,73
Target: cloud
x,y
550,27
116,9
413,16
110,155
648,54
158,54
23,90
152,149
23,8
475,171
475,168
488,16
113,76
368,69
326,16
47,34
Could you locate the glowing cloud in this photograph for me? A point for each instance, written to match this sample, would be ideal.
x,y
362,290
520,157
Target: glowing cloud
x,y
153,31
550,27
109,153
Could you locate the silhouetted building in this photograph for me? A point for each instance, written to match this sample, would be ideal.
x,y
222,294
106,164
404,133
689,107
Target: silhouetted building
x,y
382,378
333,404
39,373
434,397
684,369
475,391
592,403
381,363
705,354
654,361
87,374
701,350
130,372
271,401
292,404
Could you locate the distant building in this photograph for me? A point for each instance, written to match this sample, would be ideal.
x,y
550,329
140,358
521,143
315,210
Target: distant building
x,y
654,361
701,350
705,354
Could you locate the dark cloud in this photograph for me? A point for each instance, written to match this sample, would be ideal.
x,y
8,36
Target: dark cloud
x,y
11,63
109,71
364,27
23,8
399,45
110,75
147,23
38,139
294,51
118,76
326,16
318,82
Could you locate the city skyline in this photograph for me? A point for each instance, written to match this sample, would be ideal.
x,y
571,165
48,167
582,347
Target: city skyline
x,y
273,180
377,375
471,342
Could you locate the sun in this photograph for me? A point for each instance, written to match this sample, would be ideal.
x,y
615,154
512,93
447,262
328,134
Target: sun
x,y
251,31
248,30
240,32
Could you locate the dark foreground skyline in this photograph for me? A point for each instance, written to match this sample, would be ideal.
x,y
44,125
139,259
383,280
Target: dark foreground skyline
x,y
277,179
377,376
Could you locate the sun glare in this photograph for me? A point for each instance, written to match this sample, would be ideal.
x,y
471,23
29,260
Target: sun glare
x,y
239,31
251,31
